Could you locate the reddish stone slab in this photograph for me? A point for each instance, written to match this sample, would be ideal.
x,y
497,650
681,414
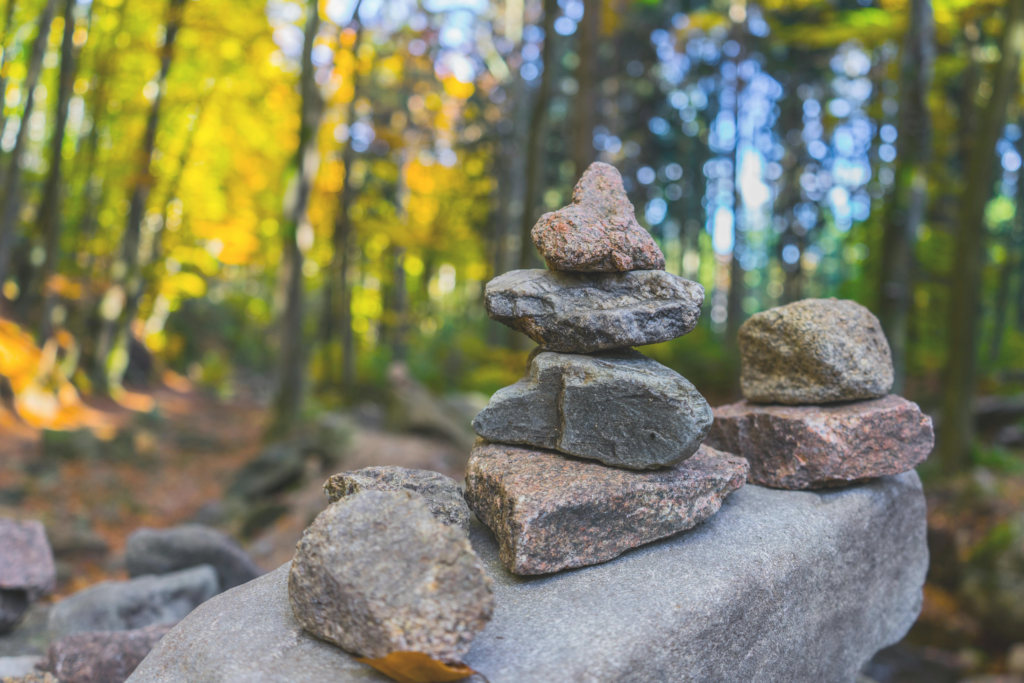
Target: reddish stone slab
x,y
813,447
102,656
598,232
551,512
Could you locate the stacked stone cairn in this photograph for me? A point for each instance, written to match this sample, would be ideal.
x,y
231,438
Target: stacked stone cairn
x,y
817,413
598,448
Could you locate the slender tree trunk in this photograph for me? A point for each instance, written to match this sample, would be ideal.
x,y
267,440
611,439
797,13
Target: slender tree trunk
x,y
736,283
906,209
586,97
337,293
12,179
8,47
1002,303
117,319
958,400
535,145
288,399
50,208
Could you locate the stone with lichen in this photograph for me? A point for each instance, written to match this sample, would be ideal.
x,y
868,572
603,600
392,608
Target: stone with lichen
x,y
814,351
376,573
443,495
549,512
619,407
598,232
811,447
587,312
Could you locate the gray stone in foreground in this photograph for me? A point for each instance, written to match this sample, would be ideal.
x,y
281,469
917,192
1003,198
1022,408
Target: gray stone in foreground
x,y
16,667
619,407
443,495
128,605
586,312
376,573
161,551
814,351
778,587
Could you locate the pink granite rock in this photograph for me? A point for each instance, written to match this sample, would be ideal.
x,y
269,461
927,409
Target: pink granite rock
x,y
101,656
551,512
813,447
598,232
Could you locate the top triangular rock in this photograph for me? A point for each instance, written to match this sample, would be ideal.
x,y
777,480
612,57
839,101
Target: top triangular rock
x,y
598,232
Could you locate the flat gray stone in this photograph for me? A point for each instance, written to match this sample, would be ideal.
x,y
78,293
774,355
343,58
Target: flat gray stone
x,y
814,351
619,407
133,604
587,312
161,551
778,587
443,495
16,667
377,573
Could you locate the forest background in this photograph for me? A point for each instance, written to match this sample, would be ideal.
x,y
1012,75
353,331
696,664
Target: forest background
x,y
275,203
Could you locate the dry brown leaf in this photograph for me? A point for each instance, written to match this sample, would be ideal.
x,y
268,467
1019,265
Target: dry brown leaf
x,y
416,667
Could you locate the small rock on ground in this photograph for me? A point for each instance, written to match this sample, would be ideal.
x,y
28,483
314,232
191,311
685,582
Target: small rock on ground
x,y
587,312
814,351
598,232
101,656
13,667
376,573
619,407
162,551
443,495
549,512
27,570
808,447
134,604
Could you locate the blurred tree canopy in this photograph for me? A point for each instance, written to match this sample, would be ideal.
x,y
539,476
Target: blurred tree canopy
x,y
232,190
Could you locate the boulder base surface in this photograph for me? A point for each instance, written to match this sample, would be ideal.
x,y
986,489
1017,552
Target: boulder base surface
x,y
134,604
598,232
550,512
376,573
779,586
619,407
161,551
809,447
442,494
587,312
814,351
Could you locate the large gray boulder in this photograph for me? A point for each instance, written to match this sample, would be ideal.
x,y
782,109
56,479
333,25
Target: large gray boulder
x,y
128,605
778,587
587,312
162,551
619,407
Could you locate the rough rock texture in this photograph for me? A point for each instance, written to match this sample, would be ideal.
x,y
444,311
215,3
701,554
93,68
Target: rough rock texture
x,y
814,351
779,586
128,605
101,656
619,407
15,667
598,232
27,571
161,551
443,495
808,447
550,512
375,573
582,313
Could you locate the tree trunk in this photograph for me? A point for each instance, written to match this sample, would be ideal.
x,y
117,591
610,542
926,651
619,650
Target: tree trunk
x,y
7,45
906,210
288,399
958,400
12,180
536,142
50,207
115,324
586,97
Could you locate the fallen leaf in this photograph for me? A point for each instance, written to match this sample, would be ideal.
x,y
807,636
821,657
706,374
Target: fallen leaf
x,y
416,667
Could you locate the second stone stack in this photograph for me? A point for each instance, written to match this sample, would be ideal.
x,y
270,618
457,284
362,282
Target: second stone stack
x,y
589,398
